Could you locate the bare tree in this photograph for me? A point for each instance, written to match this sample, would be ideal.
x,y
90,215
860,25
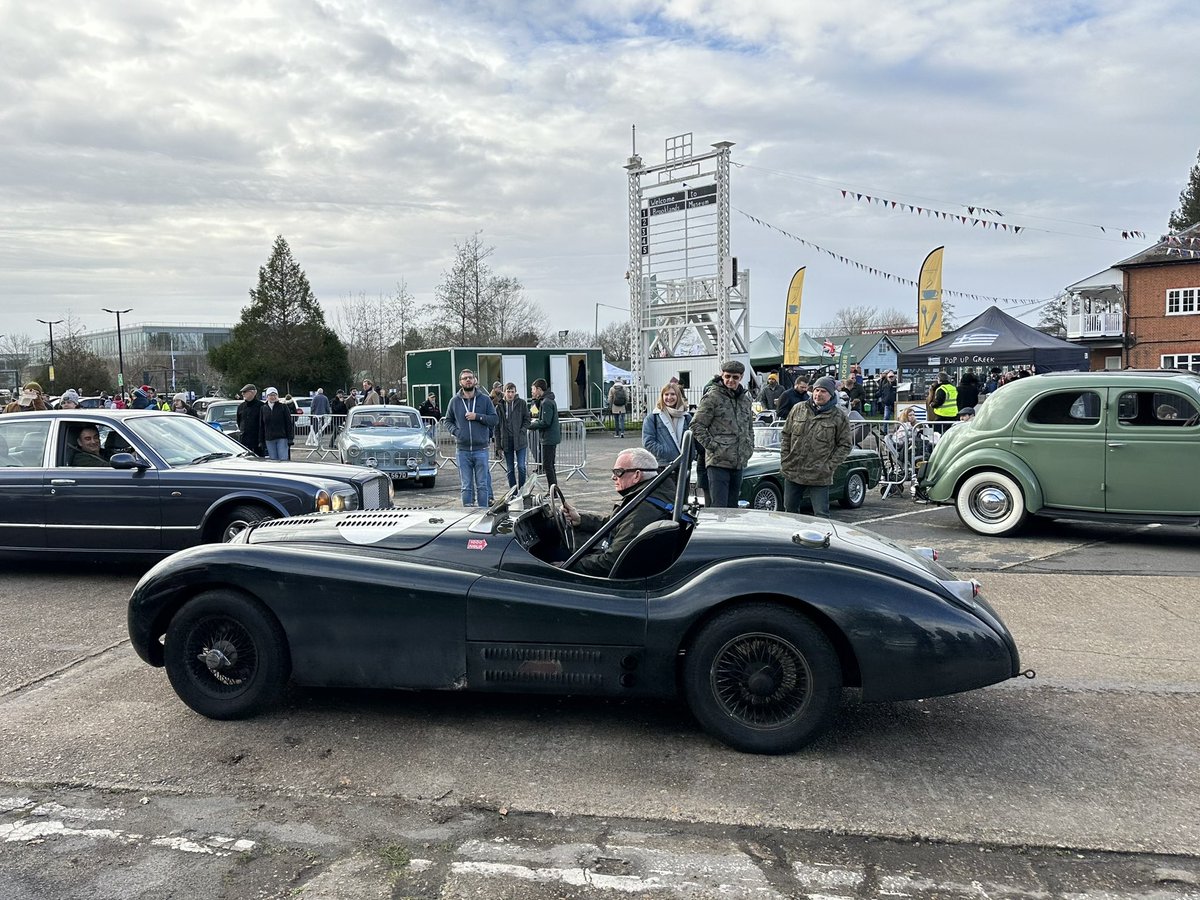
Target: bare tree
x,y
475,307
370,326
614,341
566,338
1054,316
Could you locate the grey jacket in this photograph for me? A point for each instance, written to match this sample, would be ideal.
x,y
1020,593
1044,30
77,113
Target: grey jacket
x,y
471,434
513,431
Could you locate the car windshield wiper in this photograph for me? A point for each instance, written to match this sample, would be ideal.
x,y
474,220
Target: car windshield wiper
x,y
210,456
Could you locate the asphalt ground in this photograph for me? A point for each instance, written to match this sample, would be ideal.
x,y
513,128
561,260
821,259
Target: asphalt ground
x,y
1083,782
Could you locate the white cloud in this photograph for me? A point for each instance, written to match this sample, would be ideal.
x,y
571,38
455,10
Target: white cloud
x,y
150,152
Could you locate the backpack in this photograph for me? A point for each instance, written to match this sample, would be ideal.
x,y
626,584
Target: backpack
x,y
619,397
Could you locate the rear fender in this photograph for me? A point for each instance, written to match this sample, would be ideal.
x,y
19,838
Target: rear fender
x,y
988,459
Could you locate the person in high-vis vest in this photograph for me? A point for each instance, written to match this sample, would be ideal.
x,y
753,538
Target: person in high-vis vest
x,y
945,399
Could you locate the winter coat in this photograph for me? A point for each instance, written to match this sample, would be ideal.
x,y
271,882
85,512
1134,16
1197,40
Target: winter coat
x,y
600,560
813,444
429,410
790,398
471,434
546,422
770,395
968,392
320,405
249,420
724,427
618,408
277,422
887,392
659,439
512,433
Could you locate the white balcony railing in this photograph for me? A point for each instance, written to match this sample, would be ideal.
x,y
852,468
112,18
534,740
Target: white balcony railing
x,y
1095,325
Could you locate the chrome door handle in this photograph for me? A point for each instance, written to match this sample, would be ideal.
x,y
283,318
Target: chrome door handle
x,y
1018,443
1116,444
62,480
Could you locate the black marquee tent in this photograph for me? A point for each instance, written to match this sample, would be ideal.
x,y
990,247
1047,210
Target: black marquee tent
x,y
994,338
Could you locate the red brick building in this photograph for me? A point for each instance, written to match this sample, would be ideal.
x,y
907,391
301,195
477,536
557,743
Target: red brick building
x,y
1144,312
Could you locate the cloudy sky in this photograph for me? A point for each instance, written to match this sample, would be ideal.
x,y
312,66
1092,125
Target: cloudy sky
x,y
150,152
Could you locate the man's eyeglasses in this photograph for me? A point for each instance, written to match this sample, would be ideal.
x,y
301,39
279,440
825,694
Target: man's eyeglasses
x,y
617,473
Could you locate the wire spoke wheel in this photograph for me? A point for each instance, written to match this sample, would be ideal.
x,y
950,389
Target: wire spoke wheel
x,y
761,680
221,655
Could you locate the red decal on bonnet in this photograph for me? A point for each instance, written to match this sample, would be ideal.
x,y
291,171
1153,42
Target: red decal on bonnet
x,y
476,544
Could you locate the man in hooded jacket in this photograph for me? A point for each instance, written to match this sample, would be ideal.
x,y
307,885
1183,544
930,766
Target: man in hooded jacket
x,y
814,441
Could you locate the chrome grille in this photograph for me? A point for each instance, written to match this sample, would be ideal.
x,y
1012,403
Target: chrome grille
x,y
375,493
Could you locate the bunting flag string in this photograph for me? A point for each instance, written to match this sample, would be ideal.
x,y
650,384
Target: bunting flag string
x,y
879,273
970,218
1177,245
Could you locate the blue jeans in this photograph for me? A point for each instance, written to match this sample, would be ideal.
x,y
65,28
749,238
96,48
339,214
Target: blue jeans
x,y
724,487
889,411
619,423
514,465
818,496
473,476
277,448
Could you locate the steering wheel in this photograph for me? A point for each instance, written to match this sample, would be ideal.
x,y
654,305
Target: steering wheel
x,y
558,514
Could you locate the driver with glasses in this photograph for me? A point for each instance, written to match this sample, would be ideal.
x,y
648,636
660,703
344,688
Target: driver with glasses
x,y
634,467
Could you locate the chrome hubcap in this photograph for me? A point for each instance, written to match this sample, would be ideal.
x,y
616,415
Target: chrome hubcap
x,y
992,503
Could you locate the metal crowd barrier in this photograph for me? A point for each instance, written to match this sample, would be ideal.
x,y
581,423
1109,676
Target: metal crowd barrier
x,y
572,452
317,433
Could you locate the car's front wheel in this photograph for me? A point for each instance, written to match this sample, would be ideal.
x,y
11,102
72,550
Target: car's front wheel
x,y
226,655
855,492
991,503
763,679
766,496
240,518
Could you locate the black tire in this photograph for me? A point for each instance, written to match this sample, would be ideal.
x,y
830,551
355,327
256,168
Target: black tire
x,y
855,492
767,495
239,519
226,655
763,679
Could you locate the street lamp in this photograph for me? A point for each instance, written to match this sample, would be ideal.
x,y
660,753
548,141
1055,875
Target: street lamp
x,y
51,324
120,354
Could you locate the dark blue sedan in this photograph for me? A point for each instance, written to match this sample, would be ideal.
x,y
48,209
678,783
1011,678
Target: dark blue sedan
x,y
153,483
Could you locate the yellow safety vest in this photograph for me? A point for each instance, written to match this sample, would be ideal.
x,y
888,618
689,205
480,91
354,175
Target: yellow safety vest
x,y
949,409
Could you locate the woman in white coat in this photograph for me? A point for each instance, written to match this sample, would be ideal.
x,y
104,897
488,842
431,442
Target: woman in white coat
x,y
662,430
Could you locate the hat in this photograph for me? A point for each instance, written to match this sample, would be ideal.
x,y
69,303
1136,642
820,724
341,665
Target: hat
x,y
772,377
147,388
247,387
269,391
33,386
826,383
944,377
71,394
138,392
180,396
967,411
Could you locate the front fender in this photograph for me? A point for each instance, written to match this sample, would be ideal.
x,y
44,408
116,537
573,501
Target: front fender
x,y
940,485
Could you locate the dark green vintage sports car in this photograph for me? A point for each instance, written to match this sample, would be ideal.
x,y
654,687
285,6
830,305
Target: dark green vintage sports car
x,y
762,482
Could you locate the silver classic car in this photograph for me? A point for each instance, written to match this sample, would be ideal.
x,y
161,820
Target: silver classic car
x,y
392,439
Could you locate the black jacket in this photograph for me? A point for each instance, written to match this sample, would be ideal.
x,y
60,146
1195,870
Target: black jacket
x,y
512,432
249,420
789,399
601,558
277,422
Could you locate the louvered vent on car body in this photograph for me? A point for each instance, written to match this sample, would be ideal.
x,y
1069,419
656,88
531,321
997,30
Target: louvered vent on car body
x,y
293,522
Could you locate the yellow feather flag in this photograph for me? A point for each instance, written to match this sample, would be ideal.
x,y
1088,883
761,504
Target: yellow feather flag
x,y
791,320
929,298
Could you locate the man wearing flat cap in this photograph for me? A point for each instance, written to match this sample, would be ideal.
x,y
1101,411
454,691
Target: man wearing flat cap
x,y
249,419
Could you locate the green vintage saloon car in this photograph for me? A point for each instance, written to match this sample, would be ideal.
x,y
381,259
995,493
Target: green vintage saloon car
x,y
1116,446
762,482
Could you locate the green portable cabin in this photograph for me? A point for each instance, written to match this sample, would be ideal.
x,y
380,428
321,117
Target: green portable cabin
x,y
436,372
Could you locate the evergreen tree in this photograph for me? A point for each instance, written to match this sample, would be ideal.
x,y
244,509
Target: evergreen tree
x,y
1188,213
282,339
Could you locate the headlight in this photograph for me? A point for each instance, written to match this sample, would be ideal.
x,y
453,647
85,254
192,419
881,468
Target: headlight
x,y
429,451
345,500
353,450
324,502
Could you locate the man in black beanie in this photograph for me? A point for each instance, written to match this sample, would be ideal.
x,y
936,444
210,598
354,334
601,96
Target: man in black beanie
x,y
814,441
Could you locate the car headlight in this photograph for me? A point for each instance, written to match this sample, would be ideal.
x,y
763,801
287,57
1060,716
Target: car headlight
x,y
353,450
429,451
345,500
324,503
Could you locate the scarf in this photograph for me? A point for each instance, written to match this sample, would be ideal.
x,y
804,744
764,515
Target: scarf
x,y
828,405
673,418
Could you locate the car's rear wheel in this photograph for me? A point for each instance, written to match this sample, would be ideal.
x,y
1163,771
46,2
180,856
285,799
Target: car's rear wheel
x,y
766,496
226,655
991,503
763,679
855,492
240,518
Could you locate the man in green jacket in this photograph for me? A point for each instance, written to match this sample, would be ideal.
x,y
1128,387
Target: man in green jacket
x,y
724,427
814,441
546,424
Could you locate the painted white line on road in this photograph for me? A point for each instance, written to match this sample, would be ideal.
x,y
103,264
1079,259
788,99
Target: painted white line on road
x,y
28,831
629,884
903,515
